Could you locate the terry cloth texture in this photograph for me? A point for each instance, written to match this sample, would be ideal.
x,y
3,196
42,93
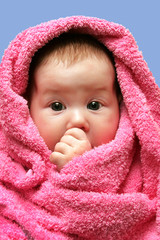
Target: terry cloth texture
x,y
111,192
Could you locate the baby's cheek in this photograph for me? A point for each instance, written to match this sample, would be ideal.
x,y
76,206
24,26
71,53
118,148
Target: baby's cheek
x,y
51,139
102,137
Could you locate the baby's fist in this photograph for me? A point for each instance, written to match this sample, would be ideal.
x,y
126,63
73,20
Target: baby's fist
x,y
72,144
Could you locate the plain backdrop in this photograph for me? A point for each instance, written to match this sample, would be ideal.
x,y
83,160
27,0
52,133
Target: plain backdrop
x,y
141,17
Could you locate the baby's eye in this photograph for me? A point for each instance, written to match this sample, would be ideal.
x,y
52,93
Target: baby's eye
x,y
94,105
57,106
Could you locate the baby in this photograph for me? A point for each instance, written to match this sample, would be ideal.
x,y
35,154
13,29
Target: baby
x,y
73,95
104,180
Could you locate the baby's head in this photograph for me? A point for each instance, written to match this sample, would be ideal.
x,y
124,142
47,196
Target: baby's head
x,y
73,84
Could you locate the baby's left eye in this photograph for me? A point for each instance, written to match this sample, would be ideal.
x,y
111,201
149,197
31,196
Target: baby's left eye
x,y
94,105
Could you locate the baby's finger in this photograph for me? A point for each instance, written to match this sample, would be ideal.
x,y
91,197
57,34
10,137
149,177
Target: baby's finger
x,y
62,147
69,140
58,159
76,133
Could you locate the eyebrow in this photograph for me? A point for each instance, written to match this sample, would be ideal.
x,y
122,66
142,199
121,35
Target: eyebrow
x,y
49,90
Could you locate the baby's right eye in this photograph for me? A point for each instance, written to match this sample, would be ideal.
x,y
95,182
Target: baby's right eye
x,y
57,106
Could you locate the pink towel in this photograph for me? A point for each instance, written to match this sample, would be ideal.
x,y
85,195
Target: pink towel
x,y
111,192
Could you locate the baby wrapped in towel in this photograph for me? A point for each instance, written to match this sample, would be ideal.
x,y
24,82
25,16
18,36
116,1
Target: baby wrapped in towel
x,y
80,134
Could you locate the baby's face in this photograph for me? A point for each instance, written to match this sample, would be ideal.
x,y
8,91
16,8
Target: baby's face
x,y
78,96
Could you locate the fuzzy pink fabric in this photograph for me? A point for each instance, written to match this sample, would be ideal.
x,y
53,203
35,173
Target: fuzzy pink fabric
x,y
111,192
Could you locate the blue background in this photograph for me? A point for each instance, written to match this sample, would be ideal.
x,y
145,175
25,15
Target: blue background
x,y
141,17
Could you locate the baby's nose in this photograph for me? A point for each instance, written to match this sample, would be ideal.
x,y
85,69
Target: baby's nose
x,y
78,119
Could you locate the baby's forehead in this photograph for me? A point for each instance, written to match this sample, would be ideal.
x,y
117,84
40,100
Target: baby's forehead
x,y
86,76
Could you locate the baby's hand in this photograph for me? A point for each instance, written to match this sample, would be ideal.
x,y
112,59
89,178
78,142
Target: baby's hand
x,y
73,143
